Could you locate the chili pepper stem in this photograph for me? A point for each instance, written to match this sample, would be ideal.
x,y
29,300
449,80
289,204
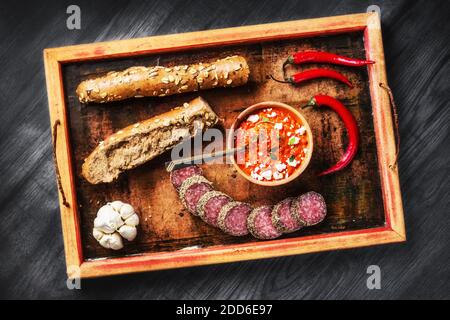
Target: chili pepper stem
x,y
289,60
311,103
281,81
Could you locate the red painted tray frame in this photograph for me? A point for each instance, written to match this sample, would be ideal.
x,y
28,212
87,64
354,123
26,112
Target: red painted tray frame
x,y
393,231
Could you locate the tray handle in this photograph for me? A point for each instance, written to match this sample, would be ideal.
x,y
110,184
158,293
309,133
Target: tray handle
x,y
55,160
393,165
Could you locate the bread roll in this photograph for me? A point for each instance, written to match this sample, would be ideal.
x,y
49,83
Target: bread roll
x,y
160,81
141,142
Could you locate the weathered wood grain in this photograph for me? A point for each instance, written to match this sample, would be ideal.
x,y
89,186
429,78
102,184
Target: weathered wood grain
x,y
417,56
353,198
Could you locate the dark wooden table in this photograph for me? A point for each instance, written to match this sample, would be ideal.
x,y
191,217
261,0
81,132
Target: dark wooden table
x,y
417,51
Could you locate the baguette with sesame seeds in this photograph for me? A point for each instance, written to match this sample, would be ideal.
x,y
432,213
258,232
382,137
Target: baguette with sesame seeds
x,y
143,141
136,82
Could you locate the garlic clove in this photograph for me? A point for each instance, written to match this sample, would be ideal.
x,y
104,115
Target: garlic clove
x,y
116,205
104,211
128,232
111,241
98,234
132,220
117,243
116,221
108,220
126,211
102,226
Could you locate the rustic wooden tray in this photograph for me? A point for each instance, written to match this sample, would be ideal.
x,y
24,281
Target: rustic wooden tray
x,y
364,200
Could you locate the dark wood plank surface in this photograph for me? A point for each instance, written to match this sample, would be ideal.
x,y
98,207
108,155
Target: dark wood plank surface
x,y
417,55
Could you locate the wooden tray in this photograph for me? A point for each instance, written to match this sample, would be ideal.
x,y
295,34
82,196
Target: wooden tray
x,y
364,201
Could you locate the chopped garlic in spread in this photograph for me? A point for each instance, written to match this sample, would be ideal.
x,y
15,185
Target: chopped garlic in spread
x,y
253,118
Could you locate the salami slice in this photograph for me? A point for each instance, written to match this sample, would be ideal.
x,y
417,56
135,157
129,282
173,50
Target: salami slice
x,y
282,217
233,218
210,204
178,176
191,191
309,208
260,223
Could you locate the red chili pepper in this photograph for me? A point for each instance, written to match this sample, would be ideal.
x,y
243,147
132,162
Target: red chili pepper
x,y
325,57
350,124
314,74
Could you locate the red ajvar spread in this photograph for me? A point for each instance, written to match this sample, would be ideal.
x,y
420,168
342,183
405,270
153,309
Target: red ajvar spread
x,y
276,143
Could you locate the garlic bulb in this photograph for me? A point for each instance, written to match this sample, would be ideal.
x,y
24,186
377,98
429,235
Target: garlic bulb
x,y
108,220
114,221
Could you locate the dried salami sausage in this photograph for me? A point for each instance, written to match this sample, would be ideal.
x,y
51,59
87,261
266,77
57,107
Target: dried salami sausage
x,y
178,176
309,208
239,218
210,204
192,189
282,217
260,223
233,218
